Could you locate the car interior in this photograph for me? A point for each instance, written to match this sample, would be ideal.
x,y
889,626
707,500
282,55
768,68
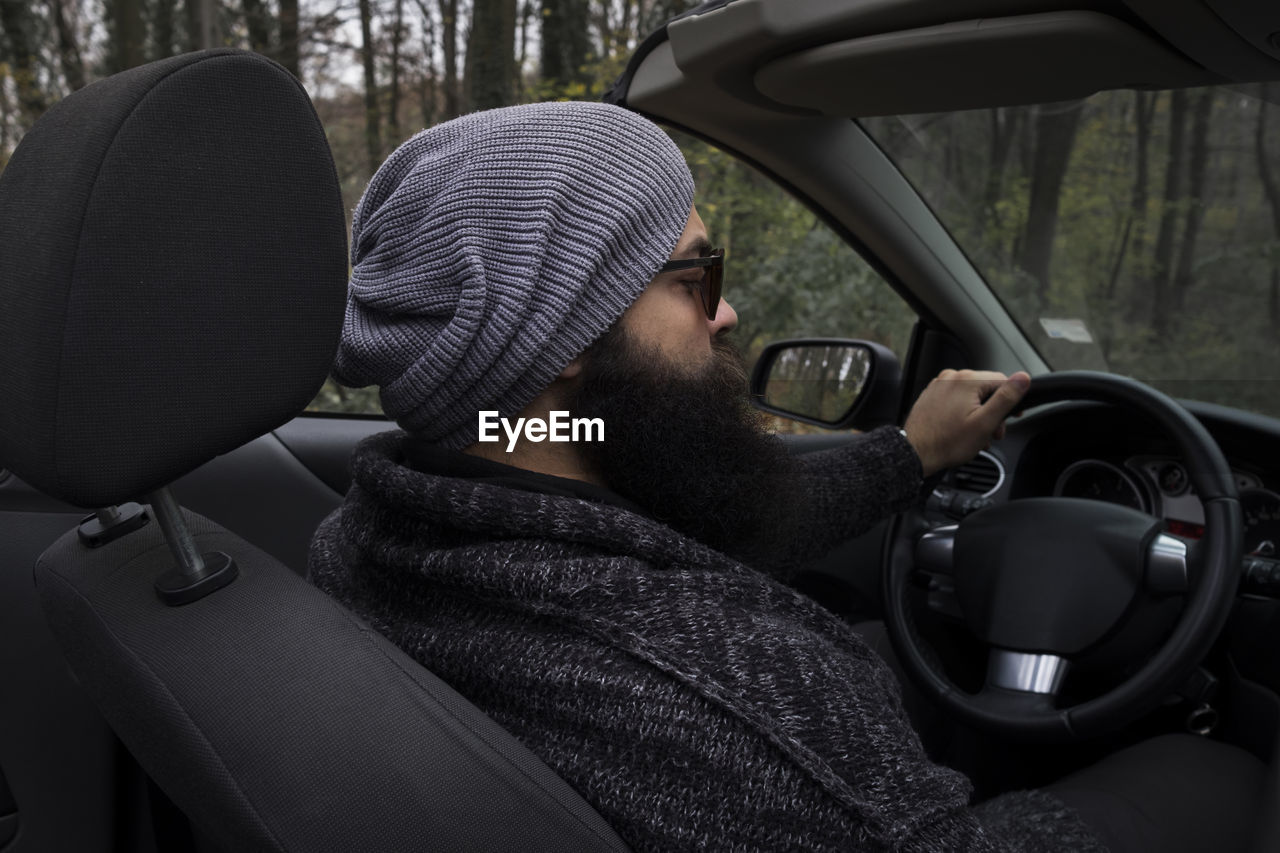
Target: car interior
x,y
175,272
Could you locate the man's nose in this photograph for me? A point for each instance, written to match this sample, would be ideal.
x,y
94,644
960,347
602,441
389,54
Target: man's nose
x,y
726,318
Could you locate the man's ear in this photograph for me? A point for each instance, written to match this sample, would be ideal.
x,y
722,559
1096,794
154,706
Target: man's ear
x,y
572,369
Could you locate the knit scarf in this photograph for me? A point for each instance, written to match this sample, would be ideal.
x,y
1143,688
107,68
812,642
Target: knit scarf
x,y
694,702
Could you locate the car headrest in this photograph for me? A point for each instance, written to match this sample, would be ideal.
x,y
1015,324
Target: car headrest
x,y
172,274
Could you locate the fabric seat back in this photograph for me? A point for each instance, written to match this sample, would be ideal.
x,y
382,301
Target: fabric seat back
x,y
173,274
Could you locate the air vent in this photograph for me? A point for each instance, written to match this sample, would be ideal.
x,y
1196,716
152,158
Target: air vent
x,y
983,475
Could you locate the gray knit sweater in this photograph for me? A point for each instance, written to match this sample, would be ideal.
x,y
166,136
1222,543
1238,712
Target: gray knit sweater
x,y
694,702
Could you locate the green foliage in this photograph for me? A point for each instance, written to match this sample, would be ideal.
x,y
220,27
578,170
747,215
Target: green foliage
x,y
1220,338
335,398
1201,320
565,45
786,273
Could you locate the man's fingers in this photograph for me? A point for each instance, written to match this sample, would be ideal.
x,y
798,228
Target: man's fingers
x,y
1004,398
986,380
961,411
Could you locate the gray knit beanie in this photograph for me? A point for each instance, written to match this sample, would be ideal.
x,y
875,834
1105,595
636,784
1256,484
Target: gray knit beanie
x,y
489,251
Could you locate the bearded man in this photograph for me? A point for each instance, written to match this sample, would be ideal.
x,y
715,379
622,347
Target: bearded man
x,y
616,604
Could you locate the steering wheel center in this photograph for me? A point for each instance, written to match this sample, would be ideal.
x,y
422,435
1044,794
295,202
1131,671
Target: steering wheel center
x,y
1026,578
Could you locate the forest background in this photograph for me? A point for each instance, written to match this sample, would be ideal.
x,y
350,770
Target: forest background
x,y
1154,217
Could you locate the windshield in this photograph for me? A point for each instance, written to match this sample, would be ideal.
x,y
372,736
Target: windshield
x,y
1134,232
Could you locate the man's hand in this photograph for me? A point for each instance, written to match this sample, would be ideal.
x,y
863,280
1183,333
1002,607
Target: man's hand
x,y
960,413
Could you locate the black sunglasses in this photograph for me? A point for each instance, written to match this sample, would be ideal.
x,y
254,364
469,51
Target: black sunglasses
x,y
709,286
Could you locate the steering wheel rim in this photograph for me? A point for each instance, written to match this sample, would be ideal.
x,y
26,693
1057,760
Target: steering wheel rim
x,y
1033,715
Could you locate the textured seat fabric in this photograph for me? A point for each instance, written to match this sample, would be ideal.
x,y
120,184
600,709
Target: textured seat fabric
x,y
59,756
278,721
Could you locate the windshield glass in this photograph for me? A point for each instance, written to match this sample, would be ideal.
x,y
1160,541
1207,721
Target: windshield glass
x,y
1134,232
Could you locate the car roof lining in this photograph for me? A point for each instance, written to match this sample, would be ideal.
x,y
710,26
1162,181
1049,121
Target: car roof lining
x,y
897,57
1022,59
1180,42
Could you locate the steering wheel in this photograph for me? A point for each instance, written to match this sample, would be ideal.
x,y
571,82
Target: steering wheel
x,y
1039,581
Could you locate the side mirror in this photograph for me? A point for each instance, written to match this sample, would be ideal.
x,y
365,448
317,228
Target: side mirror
x,y
832,383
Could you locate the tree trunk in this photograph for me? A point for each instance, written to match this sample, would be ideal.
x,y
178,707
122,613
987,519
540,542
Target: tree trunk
x,y
393,109
372,119
1117,264
526,12
162,34
950,174
566,42
1197,166
1162,269
1271,189
6,113
69,56
1004,127
491,54
20,40
289,37
1136,225
449,46
191,20
259,26
203,31
624,26
427,78
427,95
606,28
1055,132
128,34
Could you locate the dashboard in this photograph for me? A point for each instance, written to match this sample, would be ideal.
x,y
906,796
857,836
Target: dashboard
x,y
1161,486
1098,452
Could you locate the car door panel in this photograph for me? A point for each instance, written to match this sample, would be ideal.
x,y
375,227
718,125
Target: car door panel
x,y
57,753
262,492
323,443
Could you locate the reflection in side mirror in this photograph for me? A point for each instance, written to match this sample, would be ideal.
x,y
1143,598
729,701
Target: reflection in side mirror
x,y
820,382
831,383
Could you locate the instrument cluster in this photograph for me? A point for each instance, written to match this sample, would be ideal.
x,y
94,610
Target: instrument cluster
x,y
1161,486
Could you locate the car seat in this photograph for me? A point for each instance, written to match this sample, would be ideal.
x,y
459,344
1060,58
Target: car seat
x,y
173,286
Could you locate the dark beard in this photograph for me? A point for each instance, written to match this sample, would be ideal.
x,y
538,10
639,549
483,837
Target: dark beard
x,y
688,448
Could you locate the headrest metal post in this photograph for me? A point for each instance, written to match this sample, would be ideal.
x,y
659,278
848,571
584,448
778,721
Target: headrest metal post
x,y
108,515
196,574
190,563
109,523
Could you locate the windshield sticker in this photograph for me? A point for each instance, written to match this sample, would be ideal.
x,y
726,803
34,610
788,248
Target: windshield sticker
x,y
1067,330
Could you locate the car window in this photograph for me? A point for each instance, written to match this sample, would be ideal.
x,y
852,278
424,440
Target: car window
x,y
336,399
787,274
1131,231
